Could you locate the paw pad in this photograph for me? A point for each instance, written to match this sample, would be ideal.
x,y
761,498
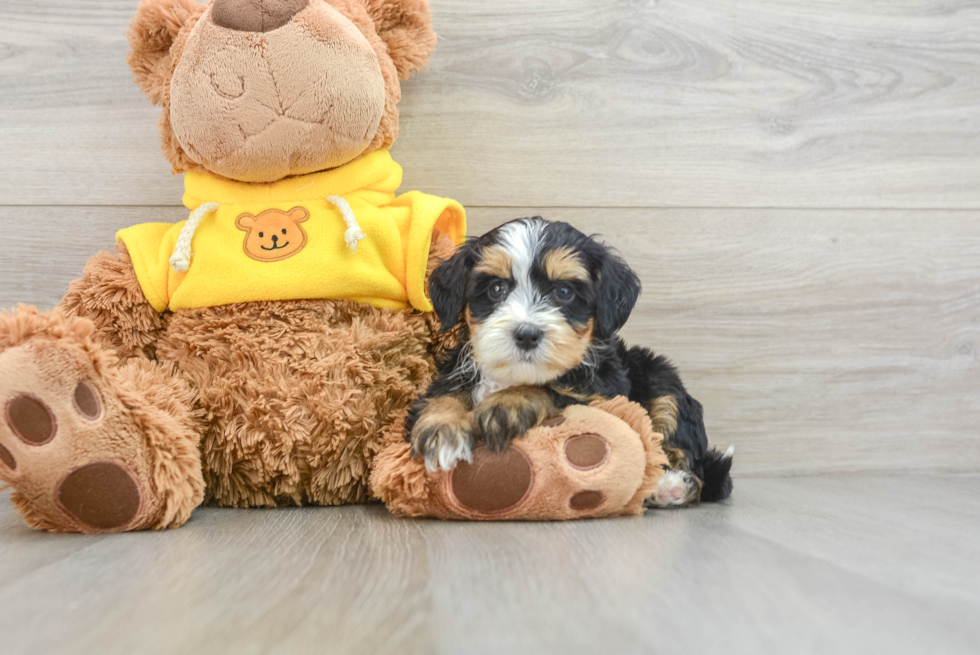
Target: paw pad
x,y
586,451
493,482
584,500
102,495
31,420
87,401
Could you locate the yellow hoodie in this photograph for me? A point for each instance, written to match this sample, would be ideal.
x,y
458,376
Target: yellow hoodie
x,y
286,241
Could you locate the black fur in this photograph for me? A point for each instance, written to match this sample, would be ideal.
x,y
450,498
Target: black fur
x,y
447,285
617,290
716,475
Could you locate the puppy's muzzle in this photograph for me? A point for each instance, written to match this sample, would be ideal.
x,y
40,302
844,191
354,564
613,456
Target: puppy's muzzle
x,y
528,337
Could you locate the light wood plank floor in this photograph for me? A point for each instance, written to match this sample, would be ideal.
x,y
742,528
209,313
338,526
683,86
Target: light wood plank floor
x,y
636,103
796,183
832,564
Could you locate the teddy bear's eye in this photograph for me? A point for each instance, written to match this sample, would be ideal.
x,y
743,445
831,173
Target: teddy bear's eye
x,y
283,230
261,234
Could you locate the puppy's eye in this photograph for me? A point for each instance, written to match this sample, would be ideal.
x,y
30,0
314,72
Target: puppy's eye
x,y
283,230
261,234
498,290
564,292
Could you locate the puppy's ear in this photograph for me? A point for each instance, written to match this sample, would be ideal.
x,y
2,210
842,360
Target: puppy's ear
x,y
447,286
406,28
151,33
617,290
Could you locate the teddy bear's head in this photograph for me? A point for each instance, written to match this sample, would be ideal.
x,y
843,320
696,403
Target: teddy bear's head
x,y
257,90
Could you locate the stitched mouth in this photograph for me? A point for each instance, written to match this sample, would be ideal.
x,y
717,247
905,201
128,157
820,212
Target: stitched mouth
x,y
275,247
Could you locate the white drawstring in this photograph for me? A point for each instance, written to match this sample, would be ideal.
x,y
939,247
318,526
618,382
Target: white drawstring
x,y
354,232
180,261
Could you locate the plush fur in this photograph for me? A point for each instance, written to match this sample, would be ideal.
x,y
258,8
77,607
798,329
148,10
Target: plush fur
x,y
149,421
310,95
538,306
252,405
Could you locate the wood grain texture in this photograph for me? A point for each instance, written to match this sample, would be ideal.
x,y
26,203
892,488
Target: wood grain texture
x,y
817,340
848,564
578,103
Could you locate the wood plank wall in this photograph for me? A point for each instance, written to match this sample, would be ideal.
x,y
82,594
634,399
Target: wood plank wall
x,y
797,182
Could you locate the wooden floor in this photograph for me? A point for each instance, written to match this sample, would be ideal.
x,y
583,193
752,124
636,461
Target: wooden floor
x,y
832,564
797,183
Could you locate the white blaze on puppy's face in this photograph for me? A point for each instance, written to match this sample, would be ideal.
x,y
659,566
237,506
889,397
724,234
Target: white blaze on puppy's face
x,y
527,305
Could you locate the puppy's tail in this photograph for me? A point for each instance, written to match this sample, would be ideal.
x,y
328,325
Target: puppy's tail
x,y
716,468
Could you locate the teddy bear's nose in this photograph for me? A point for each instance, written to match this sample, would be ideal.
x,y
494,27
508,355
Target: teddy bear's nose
x,y
255,15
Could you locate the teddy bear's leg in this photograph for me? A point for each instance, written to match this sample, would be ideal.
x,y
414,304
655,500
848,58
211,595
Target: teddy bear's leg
x,y
89,445
109,295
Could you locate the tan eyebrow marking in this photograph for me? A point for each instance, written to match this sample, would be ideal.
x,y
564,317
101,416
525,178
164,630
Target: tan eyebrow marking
x,y
494,261
564,264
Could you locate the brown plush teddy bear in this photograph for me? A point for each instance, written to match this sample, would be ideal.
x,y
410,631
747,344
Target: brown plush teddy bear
x,y
259,353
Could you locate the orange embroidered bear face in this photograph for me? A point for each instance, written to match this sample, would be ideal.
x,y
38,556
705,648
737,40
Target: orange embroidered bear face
x,y
273,235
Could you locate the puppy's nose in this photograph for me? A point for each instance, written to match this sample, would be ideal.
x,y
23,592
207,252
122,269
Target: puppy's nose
x,y
275,238
255,15
527,337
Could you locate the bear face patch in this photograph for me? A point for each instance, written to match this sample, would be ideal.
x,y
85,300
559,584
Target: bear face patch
x,y
273,235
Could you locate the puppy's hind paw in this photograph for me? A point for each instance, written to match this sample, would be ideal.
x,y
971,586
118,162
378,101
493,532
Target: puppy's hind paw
x,y
676,489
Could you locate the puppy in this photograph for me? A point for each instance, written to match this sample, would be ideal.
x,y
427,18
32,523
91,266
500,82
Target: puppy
x,y
537,306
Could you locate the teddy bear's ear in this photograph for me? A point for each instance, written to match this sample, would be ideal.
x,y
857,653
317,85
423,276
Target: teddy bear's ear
x,y
406,28
151,33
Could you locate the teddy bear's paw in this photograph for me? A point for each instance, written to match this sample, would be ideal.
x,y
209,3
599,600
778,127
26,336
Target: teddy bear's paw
x,y
584,464
74,457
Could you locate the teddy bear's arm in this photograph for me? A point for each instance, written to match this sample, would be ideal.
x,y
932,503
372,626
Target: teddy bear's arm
x,y
109,295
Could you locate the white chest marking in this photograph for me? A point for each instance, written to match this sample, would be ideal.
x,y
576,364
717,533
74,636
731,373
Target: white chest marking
x,y
486,387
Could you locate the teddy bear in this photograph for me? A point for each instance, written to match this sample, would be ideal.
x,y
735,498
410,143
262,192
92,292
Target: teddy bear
x,y
262,351
265,351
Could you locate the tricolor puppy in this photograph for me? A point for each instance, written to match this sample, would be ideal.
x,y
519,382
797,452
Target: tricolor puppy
x,y
538,306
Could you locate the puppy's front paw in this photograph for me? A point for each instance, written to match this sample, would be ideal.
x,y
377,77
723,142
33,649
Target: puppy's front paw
x,y
499,420
442,445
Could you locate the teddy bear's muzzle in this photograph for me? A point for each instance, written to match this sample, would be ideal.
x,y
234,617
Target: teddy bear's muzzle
x,y
306,96
255,15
